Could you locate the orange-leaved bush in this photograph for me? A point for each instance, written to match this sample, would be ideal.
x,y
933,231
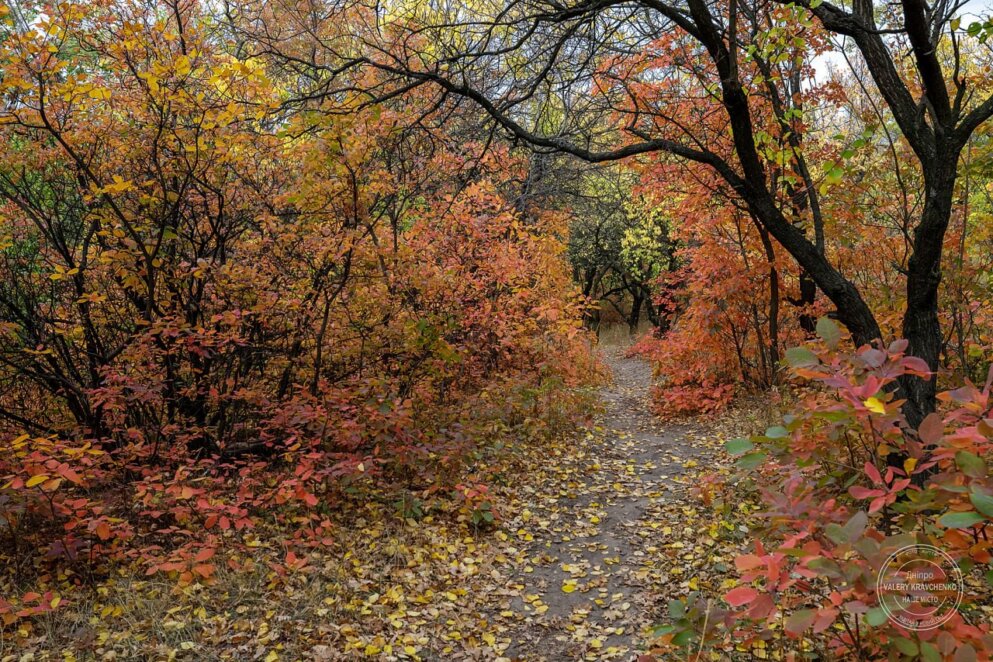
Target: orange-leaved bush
x,y
221,314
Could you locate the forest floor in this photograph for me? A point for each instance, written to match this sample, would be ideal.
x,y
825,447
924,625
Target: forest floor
x,y
625,536
596,533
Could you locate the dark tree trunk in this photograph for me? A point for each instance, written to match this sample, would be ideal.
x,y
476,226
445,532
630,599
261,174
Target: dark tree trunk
x,y
634,317
921,326
770,254
808,295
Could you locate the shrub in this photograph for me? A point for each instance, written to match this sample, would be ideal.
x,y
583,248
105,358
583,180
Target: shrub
x,y
845,484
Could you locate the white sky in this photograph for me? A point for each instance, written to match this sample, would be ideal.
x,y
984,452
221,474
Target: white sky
x,y
972,10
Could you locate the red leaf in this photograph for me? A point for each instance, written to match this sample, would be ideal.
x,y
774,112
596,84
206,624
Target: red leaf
x,y
741,596
915,365
204,554
932,429
825,617
205,570
860,492
748,562
762,607
873,472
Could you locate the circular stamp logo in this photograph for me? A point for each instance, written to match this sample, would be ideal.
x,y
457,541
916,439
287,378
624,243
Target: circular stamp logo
x,y
919,587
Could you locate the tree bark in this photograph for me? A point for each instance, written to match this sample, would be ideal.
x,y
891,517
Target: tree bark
x,y
921,325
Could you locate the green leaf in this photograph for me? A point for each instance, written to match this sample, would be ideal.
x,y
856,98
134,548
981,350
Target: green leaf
x,y
929,653
738,446
856,525
962,520
814,4
905,646
835,533
982,502
876,617
800,620
777,432
851,531
799,357
663,629
823,565
829,332
971,464
751,460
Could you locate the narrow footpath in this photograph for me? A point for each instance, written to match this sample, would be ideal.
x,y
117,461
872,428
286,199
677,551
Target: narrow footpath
x,y
614,540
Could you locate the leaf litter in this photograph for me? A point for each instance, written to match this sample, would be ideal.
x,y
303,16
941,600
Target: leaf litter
x,y
597,533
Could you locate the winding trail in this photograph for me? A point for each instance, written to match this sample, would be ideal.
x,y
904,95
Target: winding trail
x,y
600,572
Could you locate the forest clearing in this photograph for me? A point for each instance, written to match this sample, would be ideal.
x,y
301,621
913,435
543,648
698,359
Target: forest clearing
x,y
496,330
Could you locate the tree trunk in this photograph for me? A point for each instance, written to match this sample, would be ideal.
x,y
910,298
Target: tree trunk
x,y
634,317
808,295
770,255
921,326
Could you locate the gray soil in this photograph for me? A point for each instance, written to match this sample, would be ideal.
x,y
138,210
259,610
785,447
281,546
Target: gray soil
x,y
599,528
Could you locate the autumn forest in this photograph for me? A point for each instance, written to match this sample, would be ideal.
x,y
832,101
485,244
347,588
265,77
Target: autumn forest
x,y
496,330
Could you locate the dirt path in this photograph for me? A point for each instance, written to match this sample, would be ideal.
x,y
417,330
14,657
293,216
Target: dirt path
x,y
600,564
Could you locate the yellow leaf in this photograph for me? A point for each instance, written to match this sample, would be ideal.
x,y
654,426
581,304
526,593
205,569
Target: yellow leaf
x,y
909,464
56,601
183,66
568,587
875,405
36,480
